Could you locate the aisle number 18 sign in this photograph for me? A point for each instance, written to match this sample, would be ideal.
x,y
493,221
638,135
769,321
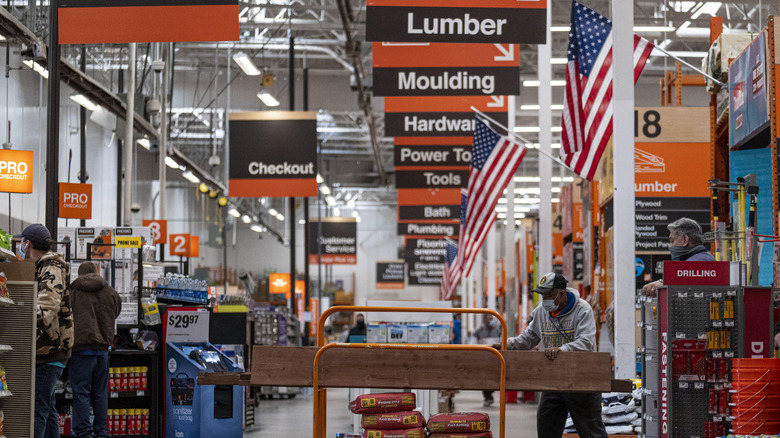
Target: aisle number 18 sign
x,y
159,230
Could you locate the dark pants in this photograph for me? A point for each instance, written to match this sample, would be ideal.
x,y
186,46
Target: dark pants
x,y
585,410
89,380
46,419
487,395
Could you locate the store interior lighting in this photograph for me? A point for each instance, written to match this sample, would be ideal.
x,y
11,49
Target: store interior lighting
x,y
330,200
280,217
85,102
537,107
233,212
267,98
559,61
530,129
41,70
301,221
325,190
170,162
320,179
554,83
256,228
245,63
336,211
144,142
189,176
2,38
246,219
273,212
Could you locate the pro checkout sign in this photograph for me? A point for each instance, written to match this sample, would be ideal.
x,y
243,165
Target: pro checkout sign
x,y
273,153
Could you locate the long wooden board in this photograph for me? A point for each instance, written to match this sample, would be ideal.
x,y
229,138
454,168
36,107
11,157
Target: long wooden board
x,y
426,369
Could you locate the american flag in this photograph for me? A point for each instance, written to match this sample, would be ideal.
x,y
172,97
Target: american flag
x,y
494,159
452,272
452,268
587,105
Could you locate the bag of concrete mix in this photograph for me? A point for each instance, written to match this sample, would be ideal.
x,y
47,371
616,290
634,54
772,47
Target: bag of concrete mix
x,y
385,402
399,433
393,420
461,422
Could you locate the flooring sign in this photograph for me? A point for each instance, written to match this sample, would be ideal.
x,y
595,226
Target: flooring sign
x,y
425,261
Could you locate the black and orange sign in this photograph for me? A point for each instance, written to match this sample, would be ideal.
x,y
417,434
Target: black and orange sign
x,y
273,153
449,118
16,171
338,243
390,274
181,245
75,201
439,69
129,21
279,283
159,230
457,21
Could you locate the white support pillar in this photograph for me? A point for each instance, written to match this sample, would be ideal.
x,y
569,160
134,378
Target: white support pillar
x,y
509,239
623,183
491,269
545,141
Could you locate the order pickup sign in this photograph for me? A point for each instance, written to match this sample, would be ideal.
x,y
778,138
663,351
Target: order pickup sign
x,y
457,21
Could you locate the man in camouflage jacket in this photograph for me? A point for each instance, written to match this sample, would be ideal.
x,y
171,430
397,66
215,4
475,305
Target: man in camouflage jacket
x,y
55,324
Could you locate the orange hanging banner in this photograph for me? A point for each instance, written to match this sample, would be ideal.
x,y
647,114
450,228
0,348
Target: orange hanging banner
x,y
16,171
75,201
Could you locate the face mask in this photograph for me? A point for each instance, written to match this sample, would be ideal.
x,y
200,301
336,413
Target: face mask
x,y
549,305
678,252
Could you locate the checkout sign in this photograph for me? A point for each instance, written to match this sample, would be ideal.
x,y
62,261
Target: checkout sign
x,y
75,201
16,171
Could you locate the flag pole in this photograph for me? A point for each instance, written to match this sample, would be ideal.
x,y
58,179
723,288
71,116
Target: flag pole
x,y
687,64
524,141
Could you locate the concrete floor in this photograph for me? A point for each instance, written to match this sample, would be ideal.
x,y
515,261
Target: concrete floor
x,y
293,417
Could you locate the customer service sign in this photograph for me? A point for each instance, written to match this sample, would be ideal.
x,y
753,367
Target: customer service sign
x,y
273,153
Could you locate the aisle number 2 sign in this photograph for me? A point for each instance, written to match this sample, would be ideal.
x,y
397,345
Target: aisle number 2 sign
x,y
181,245
159,230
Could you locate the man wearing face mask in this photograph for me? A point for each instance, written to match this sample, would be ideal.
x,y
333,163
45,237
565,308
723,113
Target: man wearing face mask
x,y
55,324
562,322
360,327
685,244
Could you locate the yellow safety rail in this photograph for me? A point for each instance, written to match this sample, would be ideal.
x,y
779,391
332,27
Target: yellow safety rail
x,y
320,394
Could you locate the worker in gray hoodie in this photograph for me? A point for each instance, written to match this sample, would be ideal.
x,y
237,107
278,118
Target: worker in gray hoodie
x,y
562,322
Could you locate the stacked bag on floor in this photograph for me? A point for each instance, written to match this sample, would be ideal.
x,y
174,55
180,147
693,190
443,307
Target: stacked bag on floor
x,y
389,415
460,425
619,411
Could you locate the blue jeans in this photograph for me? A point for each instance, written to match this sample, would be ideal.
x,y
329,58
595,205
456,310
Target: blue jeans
x,y
89,380
46,418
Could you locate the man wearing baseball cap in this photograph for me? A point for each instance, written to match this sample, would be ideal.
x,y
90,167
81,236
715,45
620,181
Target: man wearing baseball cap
x,y
55,323
562,322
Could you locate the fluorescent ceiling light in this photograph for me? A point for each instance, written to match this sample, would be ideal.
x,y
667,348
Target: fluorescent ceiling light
x,y
267,98
273,212
189,176
556,190
245,63
37,67
559,61
85,102
256,228
233,212
320,179
560,28
554,83
170,162
355,214
679,54
280,217
246,219
143,142
537,107
351,203
526,129
330,200
565,179
336,211
301,221
527,179
2,38
325,190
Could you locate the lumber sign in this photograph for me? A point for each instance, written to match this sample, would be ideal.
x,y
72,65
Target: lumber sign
x,y
424,369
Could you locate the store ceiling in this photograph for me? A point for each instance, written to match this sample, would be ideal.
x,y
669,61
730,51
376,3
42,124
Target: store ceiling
x,y
318,27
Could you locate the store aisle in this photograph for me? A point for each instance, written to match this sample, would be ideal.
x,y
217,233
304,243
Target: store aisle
x,y
293,417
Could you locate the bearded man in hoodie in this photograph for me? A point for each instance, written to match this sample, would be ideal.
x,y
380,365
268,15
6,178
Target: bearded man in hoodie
x,y
96,305
562,322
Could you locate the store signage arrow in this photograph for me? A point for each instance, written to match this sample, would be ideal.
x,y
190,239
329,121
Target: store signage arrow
x,y
508,54
497,102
